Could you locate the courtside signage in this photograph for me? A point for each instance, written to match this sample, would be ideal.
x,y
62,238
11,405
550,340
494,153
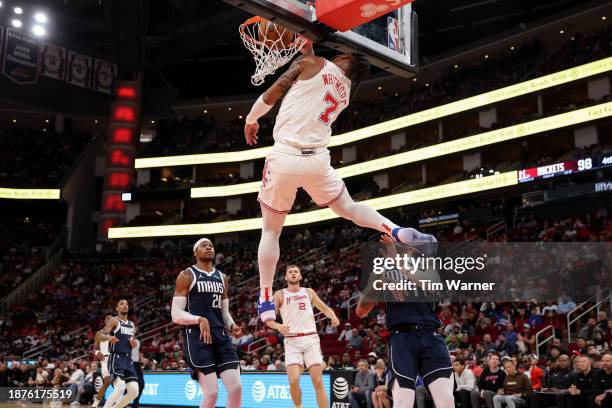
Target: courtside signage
x,y
258,390
30,193
411,197
512,91
441,149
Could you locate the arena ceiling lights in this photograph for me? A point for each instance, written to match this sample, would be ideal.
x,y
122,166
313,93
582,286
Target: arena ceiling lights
x,y
471,142
396,200
512,91
30,193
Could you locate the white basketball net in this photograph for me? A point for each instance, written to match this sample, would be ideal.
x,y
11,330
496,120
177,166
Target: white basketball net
x,y
269,55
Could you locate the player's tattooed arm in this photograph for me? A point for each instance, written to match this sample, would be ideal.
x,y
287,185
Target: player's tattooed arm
x,y
319,304
105,333
284,82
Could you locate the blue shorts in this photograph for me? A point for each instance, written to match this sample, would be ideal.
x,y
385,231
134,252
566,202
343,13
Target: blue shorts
x,y
209,358
121,365
420,352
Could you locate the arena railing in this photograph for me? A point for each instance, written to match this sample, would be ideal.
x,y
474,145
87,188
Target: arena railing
x,y
546,340
602,296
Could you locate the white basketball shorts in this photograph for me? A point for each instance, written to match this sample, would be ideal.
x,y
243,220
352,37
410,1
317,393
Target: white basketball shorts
x,y
288,168
104,367
304,351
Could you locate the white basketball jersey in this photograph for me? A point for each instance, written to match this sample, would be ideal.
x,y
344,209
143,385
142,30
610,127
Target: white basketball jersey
x,y
296,312
104,348
311,106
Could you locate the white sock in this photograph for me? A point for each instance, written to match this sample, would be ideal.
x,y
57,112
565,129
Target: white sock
x,y
361,214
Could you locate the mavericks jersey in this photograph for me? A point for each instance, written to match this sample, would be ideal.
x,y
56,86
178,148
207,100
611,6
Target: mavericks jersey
x,y
205,294
296,311
311,106
124,331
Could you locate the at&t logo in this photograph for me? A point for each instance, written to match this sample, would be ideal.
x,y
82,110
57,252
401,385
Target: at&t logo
x,y
191,389
258,391
341,388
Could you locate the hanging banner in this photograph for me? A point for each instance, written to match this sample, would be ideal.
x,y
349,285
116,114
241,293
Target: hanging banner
x,y
79,69
105,76
20,62
53,61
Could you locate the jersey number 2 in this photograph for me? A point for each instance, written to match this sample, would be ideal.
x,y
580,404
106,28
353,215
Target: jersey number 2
x,y
332,106
302,306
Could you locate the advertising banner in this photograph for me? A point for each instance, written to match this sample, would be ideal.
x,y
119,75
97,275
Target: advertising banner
x,y
259,390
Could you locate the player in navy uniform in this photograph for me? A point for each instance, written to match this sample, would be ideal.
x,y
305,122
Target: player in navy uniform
x,y
119,332
415,349
201,304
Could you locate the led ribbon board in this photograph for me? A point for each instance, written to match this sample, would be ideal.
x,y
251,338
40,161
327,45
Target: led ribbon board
x,y
396,200
512,91
30,193
437,150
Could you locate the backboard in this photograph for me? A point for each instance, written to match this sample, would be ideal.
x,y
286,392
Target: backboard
x,y
390,41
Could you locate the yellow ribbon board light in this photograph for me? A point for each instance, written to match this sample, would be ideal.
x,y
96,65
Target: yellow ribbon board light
x,y
395,200
488,98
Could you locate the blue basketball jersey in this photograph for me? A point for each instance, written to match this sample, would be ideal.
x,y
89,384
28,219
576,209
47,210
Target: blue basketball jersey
x,y
124,331
205,294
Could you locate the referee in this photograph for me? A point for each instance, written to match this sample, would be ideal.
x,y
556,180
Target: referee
x,y
138,367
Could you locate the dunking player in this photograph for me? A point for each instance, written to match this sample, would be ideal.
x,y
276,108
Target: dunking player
x,y
415,348
302,345
101,354
314,92
201,304
119,332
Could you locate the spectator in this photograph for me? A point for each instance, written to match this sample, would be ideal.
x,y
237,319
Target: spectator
x,y
356,341
515,390
504,347
565,305
510,334
380,399
581,391
602,321
602,384
488,344
556,383
590,329
255,365
346,334
489,382
363,385
535,373
465,382
372,358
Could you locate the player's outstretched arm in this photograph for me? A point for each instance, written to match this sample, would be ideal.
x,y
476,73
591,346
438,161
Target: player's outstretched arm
x,y
319,304
273,324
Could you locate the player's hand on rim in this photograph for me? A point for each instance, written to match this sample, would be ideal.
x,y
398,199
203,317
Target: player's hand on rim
x,y
250,133
205,330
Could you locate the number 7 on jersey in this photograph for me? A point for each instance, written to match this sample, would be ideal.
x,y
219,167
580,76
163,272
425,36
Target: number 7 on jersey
x,y
332,106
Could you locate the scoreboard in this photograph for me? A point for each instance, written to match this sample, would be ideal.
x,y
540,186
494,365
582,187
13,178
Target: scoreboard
x,y
563,168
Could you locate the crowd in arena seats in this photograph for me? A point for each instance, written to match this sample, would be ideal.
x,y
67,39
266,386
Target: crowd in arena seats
x,y
36,158
529,61
23,245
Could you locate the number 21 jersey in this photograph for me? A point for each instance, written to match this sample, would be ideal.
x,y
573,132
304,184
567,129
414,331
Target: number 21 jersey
x,y
311,106
205,294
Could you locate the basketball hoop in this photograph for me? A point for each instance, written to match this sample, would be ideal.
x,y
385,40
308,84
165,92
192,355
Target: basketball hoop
x,y
272,46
